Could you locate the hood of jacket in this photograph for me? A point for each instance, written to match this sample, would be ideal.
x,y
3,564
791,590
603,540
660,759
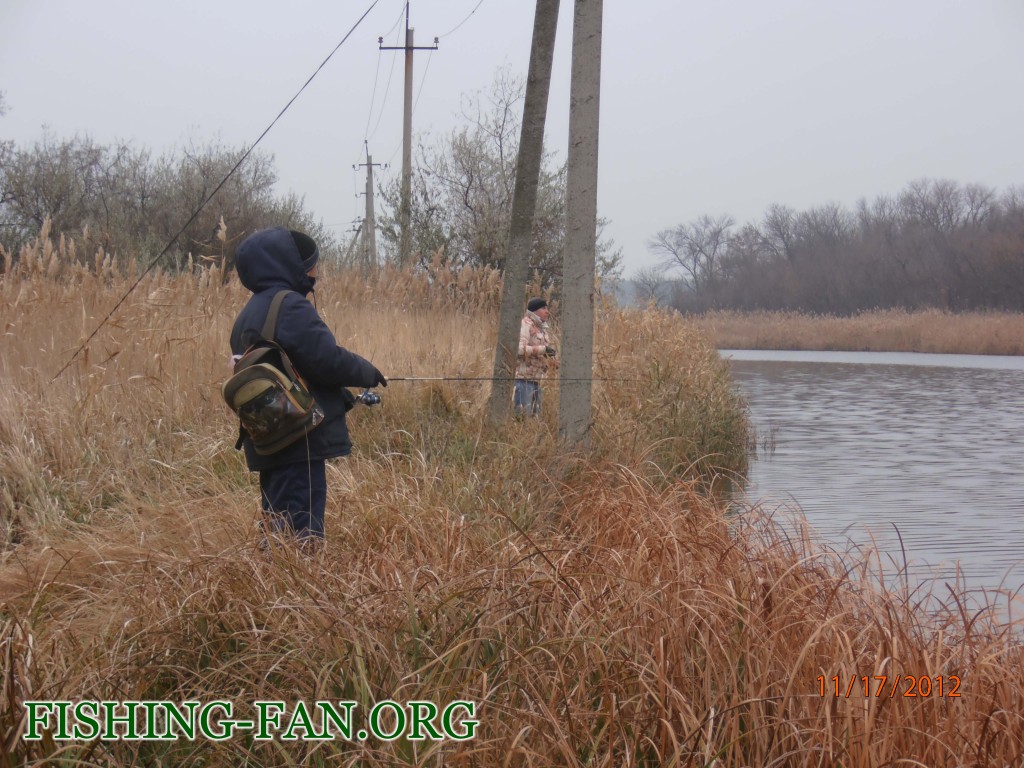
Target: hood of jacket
x,y
270,259
535,319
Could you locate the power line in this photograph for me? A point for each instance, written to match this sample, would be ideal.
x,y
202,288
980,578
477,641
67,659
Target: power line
x,y
401,13
387,89
404,209
462,22
373,97
430,57
423,79
217,189
384,101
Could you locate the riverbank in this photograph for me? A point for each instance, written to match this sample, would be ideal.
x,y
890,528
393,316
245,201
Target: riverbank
x,y
581,608
969,333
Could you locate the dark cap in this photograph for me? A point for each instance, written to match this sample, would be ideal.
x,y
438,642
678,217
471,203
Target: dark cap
x,y
535,304
308,251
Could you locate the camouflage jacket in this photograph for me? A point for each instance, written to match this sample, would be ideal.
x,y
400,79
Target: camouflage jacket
x,y
532,362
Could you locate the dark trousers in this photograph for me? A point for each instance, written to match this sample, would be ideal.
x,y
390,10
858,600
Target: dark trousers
x,y
294,498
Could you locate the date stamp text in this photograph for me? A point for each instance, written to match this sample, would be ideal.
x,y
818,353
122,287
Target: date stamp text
x,y
890,686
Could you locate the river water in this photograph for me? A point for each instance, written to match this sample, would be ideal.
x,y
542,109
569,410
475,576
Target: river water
x,y
877,447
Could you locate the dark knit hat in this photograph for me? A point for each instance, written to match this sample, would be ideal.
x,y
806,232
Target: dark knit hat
x,y
535,304
308,251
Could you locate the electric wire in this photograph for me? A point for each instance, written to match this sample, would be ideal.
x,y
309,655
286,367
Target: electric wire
x,y
373,97
461,22
387,89
205,202
423,80
401,14
427,69
384,101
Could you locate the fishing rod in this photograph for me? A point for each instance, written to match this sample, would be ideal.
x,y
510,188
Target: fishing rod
x,y
498,378
366,397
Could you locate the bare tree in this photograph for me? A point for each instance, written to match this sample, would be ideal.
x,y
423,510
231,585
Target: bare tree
x,y
696,248
981,204
132,205
649,285
779,232
463,189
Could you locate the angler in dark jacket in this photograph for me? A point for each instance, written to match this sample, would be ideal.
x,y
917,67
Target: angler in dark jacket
x,y
293,483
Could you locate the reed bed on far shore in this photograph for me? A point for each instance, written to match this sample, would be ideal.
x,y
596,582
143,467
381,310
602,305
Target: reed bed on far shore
x,y
929,330
597,607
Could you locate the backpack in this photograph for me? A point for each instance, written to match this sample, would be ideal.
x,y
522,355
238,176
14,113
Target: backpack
x,y
272,402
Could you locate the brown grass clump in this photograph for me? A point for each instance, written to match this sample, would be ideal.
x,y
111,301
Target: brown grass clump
x,y
928,330
599,607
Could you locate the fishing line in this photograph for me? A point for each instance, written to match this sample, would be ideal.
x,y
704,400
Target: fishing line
x,y
495,378
205,202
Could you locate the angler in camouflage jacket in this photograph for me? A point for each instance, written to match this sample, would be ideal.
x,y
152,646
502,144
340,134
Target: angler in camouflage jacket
x,y
536,359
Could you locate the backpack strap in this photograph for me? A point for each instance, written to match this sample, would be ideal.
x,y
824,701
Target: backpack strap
x,y
270,326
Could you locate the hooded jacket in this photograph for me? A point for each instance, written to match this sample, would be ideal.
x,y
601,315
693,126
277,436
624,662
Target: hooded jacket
x,y
267,262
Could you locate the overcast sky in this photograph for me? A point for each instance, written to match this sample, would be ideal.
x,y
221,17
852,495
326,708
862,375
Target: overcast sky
x,y
707,107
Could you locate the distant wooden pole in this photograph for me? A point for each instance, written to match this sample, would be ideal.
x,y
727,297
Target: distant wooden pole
x,y
579,260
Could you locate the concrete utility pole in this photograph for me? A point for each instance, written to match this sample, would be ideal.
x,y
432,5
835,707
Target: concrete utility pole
x,y
356,228
369,249
524,204
405,209
578,273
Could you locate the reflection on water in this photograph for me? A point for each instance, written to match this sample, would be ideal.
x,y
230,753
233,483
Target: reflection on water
x,y
868,443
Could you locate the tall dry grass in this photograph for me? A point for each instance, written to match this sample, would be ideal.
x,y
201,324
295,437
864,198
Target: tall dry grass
x,y
599,607
929,330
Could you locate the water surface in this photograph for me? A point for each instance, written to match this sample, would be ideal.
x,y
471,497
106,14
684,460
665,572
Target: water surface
x,y
868,444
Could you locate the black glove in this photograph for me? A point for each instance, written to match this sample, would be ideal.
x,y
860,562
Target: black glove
x,y
348,399
378,379
550,351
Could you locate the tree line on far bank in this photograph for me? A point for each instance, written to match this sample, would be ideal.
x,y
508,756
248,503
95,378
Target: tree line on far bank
x,y
936,244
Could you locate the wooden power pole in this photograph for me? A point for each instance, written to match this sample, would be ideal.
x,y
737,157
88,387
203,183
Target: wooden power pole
x,y
579,260
405,206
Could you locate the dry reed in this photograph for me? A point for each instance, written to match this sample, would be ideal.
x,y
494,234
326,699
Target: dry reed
x,y
928,330
599,607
